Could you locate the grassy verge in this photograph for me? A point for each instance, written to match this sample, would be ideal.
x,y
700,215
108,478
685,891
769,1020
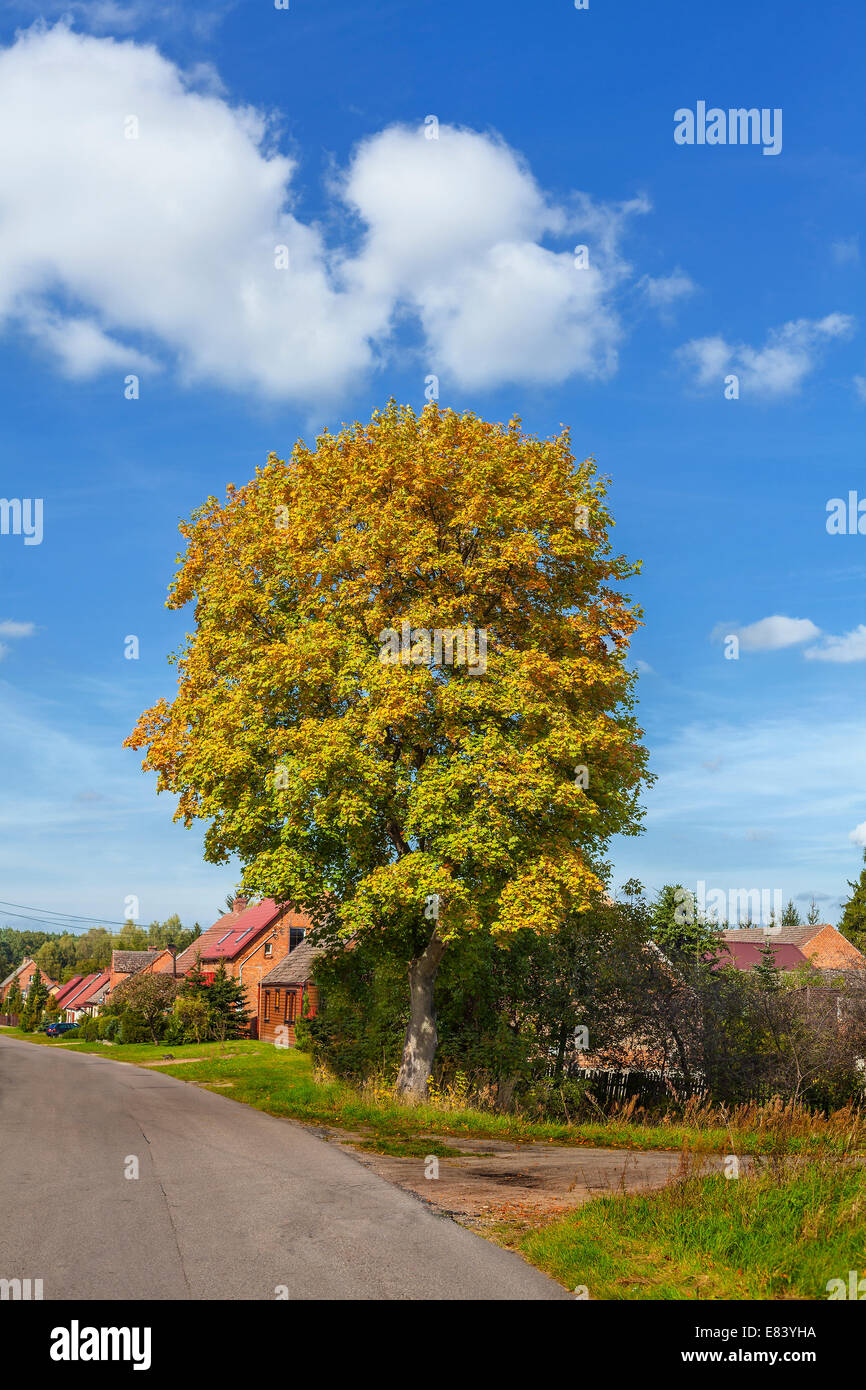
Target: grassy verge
x,y
777,1234
282,1082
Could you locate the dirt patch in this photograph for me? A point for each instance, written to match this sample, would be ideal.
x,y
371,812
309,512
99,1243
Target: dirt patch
x,y
172,1062
488,1181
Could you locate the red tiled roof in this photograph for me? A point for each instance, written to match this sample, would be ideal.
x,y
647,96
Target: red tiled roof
x,y
66,988
74,999
787,936
101,979
229,936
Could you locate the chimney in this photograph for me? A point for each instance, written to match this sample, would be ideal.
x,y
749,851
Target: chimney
x,y
239,904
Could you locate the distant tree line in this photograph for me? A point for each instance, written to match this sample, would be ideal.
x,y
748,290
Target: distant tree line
x,y
62,955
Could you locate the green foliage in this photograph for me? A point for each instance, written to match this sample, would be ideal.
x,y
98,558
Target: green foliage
x,y
853,923
146,999
775,1232
34,1004
678,928
507,1014
228,1016
135,1027
14,1001
209,1010
790,916
189,1021
767,975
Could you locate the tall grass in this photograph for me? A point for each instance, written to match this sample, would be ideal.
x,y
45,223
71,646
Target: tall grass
x,y
782,1230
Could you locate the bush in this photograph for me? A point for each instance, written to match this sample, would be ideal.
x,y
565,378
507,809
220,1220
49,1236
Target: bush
x,y
133,1027
190,1020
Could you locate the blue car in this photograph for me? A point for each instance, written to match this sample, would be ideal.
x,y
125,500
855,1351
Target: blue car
x,y
55,1029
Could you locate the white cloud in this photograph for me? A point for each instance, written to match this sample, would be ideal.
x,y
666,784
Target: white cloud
x,y
858,834
663,291
777,632
772,634
778,368
81,347
8,628
847,648
112,17
860,387
165,244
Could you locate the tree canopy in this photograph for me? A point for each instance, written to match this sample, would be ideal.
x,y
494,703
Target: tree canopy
x,y
347,769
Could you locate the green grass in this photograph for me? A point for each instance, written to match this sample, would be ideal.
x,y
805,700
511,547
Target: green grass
x,y
778,1234
282,1082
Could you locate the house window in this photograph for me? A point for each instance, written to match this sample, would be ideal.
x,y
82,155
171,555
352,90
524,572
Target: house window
x,y
269,948
289,1016
277,1004
267,1005
296,936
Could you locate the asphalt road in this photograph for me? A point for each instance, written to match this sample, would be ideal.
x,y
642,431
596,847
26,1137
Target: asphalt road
x,y
229,1203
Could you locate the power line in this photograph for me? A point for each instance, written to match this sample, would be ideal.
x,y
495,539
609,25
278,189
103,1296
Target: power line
x,y
70,921
50,912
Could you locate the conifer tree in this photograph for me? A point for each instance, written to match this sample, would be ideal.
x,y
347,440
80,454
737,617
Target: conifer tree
x,y
14,1000
767,973
853,923
37,998
227,1003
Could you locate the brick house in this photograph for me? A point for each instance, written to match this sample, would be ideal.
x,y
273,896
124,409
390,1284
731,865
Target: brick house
x,y
127,963
86,997
287,993
822,945
24,974
251,940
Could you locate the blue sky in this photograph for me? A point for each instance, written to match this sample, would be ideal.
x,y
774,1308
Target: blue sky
x,y
257,127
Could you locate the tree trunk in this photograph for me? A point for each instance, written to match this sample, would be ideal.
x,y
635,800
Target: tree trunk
x,y
419,1045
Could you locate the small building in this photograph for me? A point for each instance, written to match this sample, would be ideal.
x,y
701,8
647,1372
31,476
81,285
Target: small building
x,y
822,945
24,974
746,955
85,999
288,993
251,940
127,963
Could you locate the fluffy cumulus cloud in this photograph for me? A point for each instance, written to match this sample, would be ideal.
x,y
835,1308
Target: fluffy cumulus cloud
x,y
126,243
775,633
771,634
858,834
778,368
851,646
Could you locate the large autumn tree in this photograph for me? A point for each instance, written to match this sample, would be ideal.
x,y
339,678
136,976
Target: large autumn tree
x,y
415,798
